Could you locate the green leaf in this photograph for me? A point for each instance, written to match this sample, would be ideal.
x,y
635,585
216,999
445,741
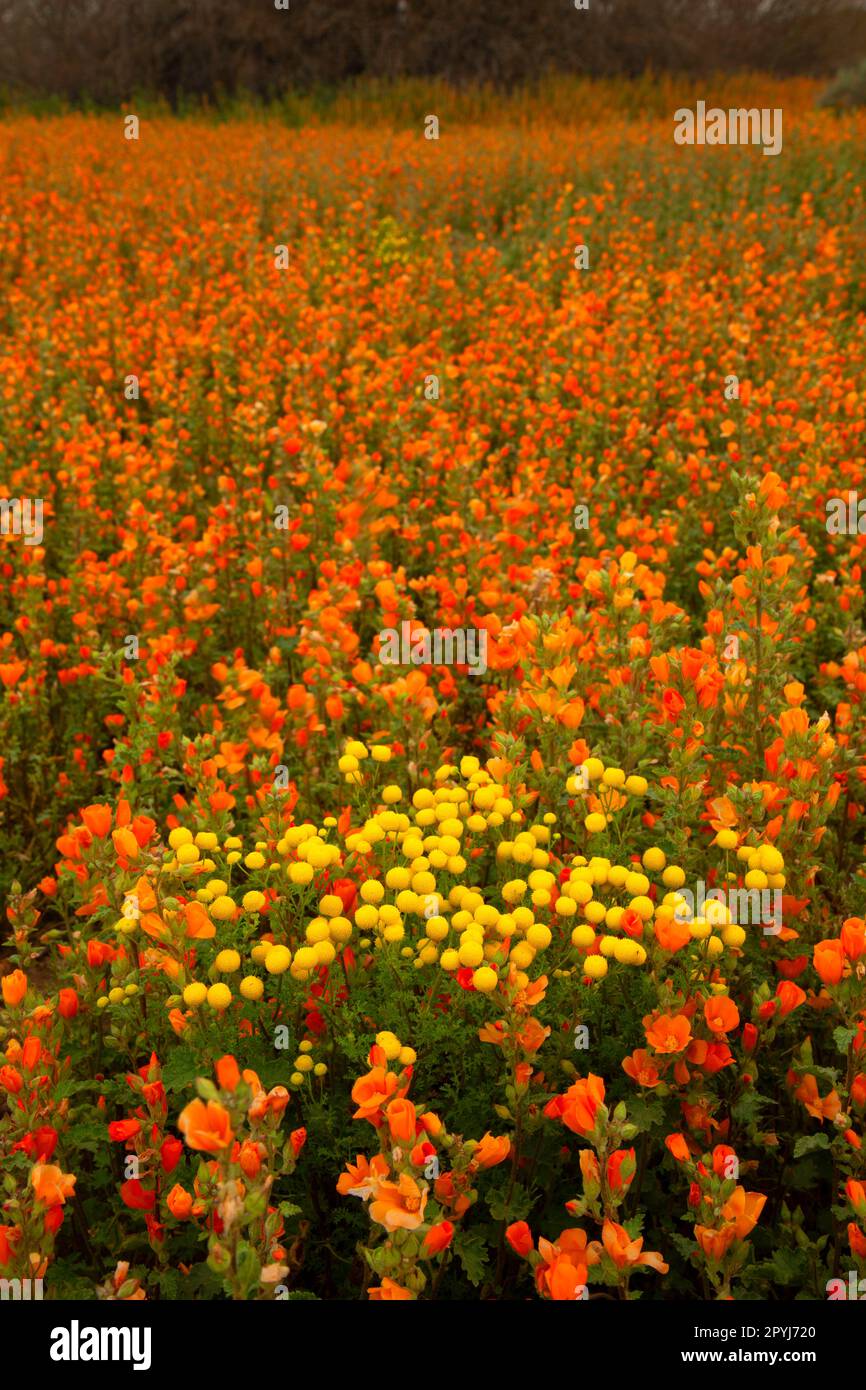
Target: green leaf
x,y
843,1038
808,1143
516,1209
685,1246
472,1253
180,1069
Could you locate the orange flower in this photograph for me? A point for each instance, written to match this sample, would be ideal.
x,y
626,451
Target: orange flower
x,y
857,1241
829,961
372,1092
670,934
807,1092
401,1120
250,1159
438,1238
399,1206
519,1237
489,1151
721,1013
561,1273
531,1036
678,1147
715,1244
179,1202
199,926
744,1209
277,1100
667,1033
206,1127
51,1185
589,1168
98,820
580,1104
227,1073
14,988
625,1251
856,1194
790,997
853,937
448,1192
389,1292
9,1235
125,844
362,1178
641,1067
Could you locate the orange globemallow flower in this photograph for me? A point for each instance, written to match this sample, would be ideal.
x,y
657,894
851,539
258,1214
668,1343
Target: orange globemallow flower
x,y
400,1115
438,1238
721,1013
11,1080
519,1237
561,1273
853,937
362,1177
715,1244
857,1241
8,1237
67,1003
670,934
179,1202
641,1067
790,997
626,1251
677,1146
227,1073
372,1092
490,1150
856,1194
98,820
829,961
250,1159
589,1167
14,988
125,844
399,1206
51,1185
206,1127
579,1106
743,1208
826,1108
668,1033
389,1292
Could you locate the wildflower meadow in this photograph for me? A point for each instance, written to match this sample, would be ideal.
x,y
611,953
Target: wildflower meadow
x,y
432,665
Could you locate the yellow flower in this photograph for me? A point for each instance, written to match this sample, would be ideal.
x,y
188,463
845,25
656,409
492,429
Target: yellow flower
x,y
595,967
390,1045
485,979
278,960
222,908
219,997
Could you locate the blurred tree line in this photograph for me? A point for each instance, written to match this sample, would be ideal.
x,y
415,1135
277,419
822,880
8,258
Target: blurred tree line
x,y
107,49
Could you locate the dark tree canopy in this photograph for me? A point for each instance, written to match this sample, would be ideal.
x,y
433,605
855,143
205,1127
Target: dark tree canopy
x,y
106,49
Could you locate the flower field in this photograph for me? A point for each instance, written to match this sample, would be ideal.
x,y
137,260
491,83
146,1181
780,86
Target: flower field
x,y
339,962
